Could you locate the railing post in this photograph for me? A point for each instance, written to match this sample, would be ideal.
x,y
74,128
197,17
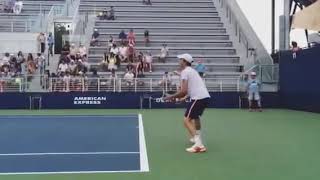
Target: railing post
x,y
11,26
220,85
98,84
120,84
238,84
135,84
50,85
151,85
83,88
114,84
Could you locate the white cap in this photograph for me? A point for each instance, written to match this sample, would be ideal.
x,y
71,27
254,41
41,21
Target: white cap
x,y
253,73
95,29
186,57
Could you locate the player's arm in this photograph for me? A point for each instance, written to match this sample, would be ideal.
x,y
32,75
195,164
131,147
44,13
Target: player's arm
x,y
181,93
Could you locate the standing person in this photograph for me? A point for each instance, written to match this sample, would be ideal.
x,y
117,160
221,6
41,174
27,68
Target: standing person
x,y
146,38
50,41
253,89
200,68
131,38
193,86
42,41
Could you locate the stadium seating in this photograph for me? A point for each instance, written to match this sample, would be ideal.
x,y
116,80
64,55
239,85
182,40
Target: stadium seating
x,y
187,26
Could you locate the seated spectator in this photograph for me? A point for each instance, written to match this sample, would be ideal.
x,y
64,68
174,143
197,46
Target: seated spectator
x,y
164,52
115,50
112,62
123,50
95,38
175,80
148,61
111,42
66,48
146,38
10,6
17,7
131,38
63,67
73,51
111,14
129,78
5,59
148,2
103,15
82,50
200,68
166,80
123,37
72,67
295,48
130,67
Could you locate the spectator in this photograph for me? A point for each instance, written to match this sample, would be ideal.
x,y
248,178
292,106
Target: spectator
x,y
63,67
146,38
17,7
164,52
130,67
166,80
122,37
131,38
123,50
253,89
148,60
115,50
20,61
94,38
295,48
73,51
148,2
72,67
31,65
10,6
50,41
5,59
111,14
111,42
41,62
103,15
82,50
66,48
131,53
175,80
140,66
129,78
112,62
42,42
200,68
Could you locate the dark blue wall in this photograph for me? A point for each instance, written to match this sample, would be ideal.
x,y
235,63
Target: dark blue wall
x,y
124,100
300,80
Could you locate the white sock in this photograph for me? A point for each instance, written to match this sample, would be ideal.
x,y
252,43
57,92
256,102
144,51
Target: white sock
x,y
197,139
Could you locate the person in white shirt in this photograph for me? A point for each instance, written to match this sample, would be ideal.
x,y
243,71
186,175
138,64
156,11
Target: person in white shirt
x,y
82,50
193,86
114,50
128,78
164,52
63,67
148,60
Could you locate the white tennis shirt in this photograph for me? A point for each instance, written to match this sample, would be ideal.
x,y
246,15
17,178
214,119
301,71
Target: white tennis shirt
x,y
196,86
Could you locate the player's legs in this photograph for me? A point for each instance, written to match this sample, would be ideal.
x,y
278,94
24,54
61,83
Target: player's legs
x,y
250,100
258,99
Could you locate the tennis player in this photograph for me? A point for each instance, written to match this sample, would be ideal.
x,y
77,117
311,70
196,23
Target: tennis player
x,y
193,86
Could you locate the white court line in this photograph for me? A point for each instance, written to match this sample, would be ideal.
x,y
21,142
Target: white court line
x,y
64,116
66,153
144,163
69,172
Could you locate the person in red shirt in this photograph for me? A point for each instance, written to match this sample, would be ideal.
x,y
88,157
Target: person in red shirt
x,y
131,37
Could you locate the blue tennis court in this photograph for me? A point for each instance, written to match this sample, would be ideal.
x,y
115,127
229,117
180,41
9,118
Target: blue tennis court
x,y
72,144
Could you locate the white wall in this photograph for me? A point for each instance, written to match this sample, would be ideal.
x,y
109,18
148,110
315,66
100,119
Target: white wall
x,y
259,15
15,42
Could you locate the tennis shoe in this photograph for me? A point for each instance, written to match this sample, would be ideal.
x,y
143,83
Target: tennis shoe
x,y
196,149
